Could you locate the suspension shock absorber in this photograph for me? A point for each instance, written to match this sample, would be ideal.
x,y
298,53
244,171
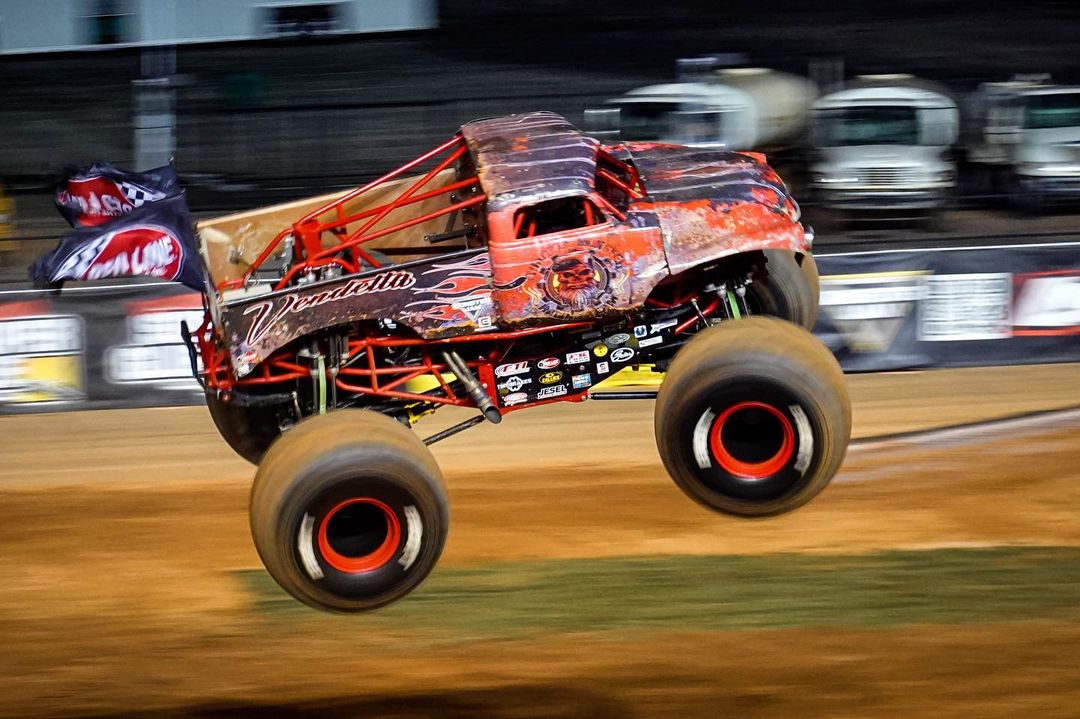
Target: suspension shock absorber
x,y
472,386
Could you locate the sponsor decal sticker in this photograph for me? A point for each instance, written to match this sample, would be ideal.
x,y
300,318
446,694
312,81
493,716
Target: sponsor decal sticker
x,y
600,350
581,381
602,367
548,363
650,342
516,398
505,370
514,383
616,340
474,307
551,377
622,354
548,392
641,330
660,326
577,357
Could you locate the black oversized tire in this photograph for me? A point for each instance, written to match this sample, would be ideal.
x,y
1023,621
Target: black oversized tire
x,y
348,511
790,289
248,430
753,418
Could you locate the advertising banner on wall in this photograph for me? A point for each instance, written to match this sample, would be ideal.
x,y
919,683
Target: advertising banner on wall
x,y
93,348
960,307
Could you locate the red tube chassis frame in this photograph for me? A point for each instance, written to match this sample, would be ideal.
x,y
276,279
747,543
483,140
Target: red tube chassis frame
x,y
361,371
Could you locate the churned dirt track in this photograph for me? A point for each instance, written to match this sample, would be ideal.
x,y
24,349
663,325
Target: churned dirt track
x,y
124,533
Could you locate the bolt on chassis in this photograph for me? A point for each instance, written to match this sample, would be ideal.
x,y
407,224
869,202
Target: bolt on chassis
x,y
517,264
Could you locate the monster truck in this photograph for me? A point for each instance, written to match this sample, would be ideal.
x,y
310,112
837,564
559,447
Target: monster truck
x,y
521,263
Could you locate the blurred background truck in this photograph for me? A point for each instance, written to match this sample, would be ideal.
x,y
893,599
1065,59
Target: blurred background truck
x,y
883,144
735,108
1025,136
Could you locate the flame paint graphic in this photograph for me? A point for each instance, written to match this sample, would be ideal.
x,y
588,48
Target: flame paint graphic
x,y
454,286
479,264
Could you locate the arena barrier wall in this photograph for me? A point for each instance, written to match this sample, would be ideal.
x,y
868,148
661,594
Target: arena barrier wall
x,y
119,345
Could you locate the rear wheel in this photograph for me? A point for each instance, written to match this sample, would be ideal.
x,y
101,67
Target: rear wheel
x,y
348,511
790,289
248,430
753,417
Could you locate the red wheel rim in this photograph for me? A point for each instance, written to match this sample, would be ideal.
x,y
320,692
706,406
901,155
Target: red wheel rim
x,y
372,560
752,470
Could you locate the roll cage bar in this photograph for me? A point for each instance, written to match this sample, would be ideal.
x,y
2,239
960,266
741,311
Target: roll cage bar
x,y
348,254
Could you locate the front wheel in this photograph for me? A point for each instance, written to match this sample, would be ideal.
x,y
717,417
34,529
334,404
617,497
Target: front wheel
x,y
789,290
753,417
348,511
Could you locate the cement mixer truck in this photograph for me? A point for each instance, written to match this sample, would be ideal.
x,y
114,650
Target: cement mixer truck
x,y
743,108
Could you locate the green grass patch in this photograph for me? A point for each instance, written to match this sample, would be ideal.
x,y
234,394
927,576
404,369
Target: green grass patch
x,y
733,592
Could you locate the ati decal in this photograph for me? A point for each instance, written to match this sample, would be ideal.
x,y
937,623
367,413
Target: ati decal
x,y
514,383
548,363
516,398
141,250
622,354
505,370
551,377
548,392
581,381
600,350
268,312
577,357
616,340
650,342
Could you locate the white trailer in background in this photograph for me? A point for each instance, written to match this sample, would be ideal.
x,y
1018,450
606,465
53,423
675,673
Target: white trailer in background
x,y
883,144
748,108
1028,133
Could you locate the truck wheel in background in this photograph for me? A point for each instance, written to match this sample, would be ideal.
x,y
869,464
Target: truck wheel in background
x,y
348,511
790,291
753,417
248,430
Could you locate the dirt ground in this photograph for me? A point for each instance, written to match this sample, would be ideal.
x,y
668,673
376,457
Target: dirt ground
x,y
124,532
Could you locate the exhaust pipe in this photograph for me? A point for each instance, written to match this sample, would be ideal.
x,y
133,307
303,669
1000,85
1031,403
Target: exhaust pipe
x,y
482,398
